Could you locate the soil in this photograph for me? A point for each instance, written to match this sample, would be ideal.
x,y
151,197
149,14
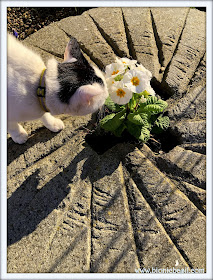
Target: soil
x,y
25,21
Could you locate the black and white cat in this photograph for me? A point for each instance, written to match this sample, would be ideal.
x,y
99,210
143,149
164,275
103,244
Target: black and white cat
x,y
73,87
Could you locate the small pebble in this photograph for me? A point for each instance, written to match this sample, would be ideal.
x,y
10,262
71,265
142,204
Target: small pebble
x,y
162,69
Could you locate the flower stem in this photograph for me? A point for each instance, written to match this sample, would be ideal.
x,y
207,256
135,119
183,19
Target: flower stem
x,y
127,110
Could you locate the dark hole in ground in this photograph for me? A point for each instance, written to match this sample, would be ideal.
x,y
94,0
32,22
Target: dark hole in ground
x,y
165,142
101,141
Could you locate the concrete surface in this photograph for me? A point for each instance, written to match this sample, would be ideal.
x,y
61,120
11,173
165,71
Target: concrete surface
x,y
71,210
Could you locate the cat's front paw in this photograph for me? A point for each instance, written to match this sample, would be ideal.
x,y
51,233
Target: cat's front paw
x,y
20,138
56,125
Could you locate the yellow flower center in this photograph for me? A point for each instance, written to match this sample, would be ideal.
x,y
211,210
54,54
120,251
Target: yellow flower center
x,y
135,81
120,92
115,72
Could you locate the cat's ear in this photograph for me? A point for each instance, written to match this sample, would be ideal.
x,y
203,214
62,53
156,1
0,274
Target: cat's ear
x,y
73,52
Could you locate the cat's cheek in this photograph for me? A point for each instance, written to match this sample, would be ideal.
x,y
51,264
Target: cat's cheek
x,y
87,99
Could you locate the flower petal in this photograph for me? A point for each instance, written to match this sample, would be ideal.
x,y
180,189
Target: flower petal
x,y
120,94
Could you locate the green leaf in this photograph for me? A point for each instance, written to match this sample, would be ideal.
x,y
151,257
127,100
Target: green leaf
x,y
113,106
145,135
133,129
110,104
118,132
161,124
132,103
142,133
105,122
153,105
113,121
139,119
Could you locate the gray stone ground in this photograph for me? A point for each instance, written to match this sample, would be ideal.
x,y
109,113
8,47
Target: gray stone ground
x,y
72,210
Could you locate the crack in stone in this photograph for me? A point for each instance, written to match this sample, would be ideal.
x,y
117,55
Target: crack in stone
x,y
50,52
174,170
195,73
107,38
165,74
128,38
87,52
158,41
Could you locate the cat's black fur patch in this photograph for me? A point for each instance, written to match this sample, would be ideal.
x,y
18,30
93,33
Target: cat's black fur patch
x,y
72,75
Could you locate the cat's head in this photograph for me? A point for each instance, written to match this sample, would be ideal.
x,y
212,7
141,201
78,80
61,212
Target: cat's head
x,y
74,86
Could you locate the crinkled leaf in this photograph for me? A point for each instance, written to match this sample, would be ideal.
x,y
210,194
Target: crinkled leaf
x,y
113,106
161,124
139,119
153,105
145,134
113,121
142,133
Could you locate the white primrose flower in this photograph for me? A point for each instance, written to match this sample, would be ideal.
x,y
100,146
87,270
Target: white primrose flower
x,y
150,90
126,61
110,82
114,69
136,81
120,94
140,67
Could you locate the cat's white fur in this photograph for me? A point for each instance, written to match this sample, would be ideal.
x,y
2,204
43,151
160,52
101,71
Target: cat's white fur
x,y
24,70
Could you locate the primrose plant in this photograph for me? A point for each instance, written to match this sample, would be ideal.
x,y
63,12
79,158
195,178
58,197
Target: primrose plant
x,y
132,103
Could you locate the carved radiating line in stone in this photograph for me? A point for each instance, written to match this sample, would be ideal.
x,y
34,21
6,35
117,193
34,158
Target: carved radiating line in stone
x,y
140,231
130,45
157,40
127,209
107,38
50,52
175,50
180,229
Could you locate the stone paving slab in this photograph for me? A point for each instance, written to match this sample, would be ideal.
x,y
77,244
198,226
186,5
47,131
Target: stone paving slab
x,y
113,244
114,30
50,39
91,41
195,194
185,164
191,106
68,199
41,144
190,131
195,147
153,243
71,210
184,223
141,38
169,23
190,51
